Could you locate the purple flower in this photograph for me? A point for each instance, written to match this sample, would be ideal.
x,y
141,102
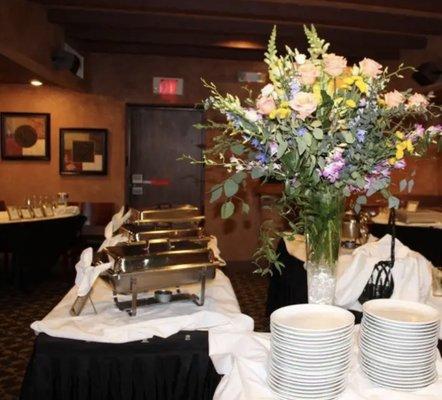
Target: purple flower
x,y
335,165
301,131
255,143
295,87
273,147
262,157
400,164
360,135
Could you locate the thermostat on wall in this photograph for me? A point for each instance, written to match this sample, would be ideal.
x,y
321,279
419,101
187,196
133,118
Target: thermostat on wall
x,y
168,86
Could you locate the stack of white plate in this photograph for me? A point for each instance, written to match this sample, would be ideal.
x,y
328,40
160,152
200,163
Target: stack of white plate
x,y
398,343
311,348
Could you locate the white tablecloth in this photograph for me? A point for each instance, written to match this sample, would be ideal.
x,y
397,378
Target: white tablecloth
x,y
243,360
220,312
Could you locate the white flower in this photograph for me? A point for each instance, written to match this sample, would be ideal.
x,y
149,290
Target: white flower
x,y
252,115
267,90
300,58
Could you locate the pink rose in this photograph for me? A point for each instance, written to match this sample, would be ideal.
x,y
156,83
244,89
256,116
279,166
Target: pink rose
x,y
265,105
393,99
334,65
417,100
370,67
304,104
308,73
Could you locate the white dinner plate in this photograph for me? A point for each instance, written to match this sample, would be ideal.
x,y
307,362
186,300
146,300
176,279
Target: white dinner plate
x,y
406,313
388,360
397,346
331,348
312,334
400,328
280,389
309,361
312,318
391,376
403,336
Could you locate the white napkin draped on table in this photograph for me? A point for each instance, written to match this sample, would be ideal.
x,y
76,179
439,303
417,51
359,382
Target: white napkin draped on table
x,y
220,312
86,273
411,273
243,360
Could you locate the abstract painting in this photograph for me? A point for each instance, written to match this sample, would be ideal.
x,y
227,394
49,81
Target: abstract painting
x,y
83,151
25,136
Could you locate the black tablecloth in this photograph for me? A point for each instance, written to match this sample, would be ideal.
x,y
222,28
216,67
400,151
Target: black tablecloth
x,y
160,369
37,245
426,241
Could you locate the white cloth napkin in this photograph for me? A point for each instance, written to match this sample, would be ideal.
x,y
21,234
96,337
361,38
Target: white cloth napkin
x,y
243,360
220,313
87,273
213,245
117,220
411,273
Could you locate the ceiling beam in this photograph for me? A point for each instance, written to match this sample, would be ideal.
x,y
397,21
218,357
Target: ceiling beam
x,y
341,44
209,52
324,13
210,25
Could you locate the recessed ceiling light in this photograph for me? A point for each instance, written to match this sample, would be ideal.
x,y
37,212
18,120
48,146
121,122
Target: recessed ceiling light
x,y
36,82
241,44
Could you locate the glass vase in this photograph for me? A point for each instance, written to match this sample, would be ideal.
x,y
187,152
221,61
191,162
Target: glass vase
x,y
323,212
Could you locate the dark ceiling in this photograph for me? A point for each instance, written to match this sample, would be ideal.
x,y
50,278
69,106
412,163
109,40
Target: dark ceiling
x,y
239,29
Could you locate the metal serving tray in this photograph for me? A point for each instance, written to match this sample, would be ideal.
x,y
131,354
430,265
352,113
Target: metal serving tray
x,y
163,263
141,232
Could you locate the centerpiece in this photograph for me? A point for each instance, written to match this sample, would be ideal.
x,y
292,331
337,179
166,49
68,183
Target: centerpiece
x,y
327,131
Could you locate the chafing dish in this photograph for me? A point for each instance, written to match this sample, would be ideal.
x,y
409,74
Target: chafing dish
x,y
156,264
142,232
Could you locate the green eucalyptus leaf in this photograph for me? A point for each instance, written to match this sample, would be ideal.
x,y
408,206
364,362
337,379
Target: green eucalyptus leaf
x,y
308,139
393,202
230,187
348,137
302,146
316,123
237,149
402,185
227,210
318,134
361,200
281,149
216,193
257,173
239,177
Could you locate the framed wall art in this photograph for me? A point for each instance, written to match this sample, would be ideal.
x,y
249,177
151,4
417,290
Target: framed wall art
x,y
25,136
83,151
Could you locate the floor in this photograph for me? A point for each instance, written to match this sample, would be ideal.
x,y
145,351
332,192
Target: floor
x,y
19,309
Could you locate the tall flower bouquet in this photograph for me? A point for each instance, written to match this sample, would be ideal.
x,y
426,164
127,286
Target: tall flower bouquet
x,y
326,130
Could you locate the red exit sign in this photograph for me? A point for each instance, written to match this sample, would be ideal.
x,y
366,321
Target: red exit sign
x,y
168,86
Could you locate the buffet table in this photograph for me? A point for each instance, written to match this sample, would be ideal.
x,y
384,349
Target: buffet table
x,y
158,354
27,241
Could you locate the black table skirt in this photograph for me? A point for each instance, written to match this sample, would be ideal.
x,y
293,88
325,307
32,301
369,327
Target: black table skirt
x,y
160,369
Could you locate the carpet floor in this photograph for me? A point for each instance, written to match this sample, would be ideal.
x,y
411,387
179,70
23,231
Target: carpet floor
x,y
19,309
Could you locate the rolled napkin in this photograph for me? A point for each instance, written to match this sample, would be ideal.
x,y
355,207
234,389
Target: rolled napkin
x,y
213,245
411,273
117,220
87,273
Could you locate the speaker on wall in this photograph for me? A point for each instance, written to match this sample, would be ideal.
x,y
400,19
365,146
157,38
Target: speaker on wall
x,y
427,73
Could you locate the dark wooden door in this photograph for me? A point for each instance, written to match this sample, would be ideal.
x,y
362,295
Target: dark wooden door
x,y
157,138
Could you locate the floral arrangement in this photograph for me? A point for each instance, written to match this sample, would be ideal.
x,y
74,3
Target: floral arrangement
x,y
319,126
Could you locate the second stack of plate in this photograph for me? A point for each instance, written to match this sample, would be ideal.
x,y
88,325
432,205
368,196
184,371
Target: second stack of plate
x,y
311,348
398,343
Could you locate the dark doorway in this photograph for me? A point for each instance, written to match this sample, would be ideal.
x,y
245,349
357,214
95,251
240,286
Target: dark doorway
x,y
158,136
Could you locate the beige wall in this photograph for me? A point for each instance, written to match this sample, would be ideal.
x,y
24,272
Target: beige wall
x,y
19,179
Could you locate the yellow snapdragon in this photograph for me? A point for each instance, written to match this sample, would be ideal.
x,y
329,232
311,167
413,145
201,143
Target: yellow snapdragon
x,y
350,103
280,113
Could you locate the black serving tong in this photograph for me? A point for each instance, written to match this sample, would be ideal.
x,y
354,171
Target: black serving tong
x,y
381,284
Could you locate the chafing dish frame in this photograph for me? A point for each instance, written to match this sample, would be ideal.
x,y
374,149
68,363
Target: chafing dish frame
x,y
132,305
192,272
